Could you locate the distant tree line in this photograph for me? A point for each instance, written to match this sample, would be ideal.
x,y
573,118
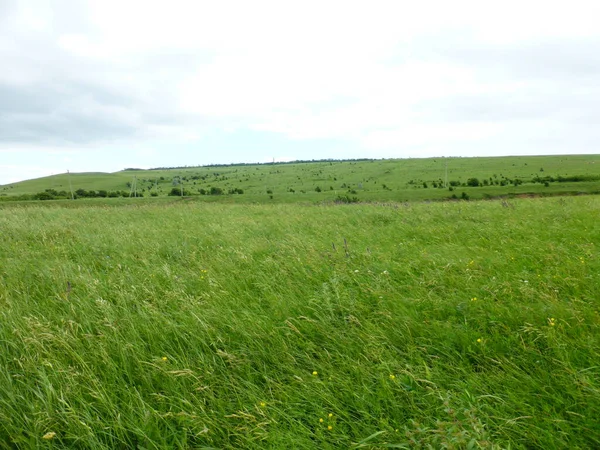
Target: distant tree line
x,y
298,161
176,191
53,194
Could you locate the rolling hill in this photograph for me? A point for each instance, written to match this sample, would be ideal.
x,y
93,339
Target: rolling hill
x,y
364,180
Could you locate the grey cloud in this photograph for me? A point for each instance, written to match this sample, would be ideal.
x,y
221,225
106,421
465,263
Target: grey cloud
x,y
80,113
551,58
530,102
552,79
49,95
66,128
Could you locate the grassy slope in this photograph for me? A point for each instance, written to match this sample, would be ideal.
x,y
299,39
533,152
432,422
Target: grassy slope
x,y
366,177
200,325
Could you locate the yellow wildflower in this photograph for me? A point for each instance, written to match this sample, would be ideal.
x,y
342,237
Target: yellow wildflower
x,y
164,358
329,427
49,435
330,415
392,377
315,373
321,420
479,340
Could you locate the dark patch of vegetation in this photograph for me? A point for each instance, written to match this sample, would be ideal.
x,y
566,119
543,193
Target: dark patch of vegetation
x,y
346,199
176,191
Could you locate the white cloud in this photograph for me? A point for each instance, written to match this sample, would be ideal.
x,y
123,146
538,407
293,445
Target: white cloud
x,y
386,75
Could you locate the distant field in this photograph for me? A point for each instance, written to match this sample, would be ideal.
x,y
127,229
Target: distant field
x,y
182,324
373,180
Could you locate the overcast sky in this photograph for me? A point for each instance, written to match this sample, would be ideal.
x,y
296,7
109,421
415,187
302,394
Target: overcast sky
x,y
103,85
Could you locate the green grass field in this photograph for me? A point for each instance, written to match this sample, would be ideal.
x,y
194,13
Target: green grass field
x,y
178,324
373,180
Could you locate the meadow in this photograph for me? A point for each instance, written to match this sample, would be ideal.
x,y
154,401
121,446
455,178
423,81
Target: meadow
x,y
185,324
396,180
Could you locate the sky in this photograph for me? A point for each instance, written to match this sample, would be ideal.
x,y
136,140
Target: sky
x,y
91,86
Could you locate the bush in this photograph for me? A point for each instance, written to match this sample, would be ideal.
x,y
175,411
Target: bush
x,y
43,196
474,182
177,192
345,199
464,196
317,189
216,190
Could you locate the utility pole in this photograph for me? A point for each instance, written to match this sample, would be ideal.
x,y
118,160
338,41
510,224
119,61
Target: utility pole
x,y
446,172
70,186
133,190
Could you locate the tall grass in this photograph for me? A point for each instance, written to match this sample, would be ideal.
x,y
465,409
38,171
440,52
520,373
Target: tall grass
x,y
469,324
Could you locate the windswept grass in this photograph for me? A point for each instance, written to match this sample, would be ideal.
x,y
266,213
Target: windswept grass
x,y
191,325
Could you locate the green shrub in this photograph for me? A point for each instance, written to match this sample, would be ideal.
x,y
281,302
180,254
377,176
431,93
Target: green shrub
x,y
346,199
43,196
176,191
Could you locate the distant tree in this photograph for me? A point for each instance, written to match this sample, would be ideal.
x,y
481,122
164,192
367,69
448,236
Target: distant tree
x,y
43,196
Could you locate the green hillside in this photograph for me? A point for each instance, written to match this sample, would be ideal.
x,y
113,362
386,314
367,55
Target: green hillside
x,y
365,180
